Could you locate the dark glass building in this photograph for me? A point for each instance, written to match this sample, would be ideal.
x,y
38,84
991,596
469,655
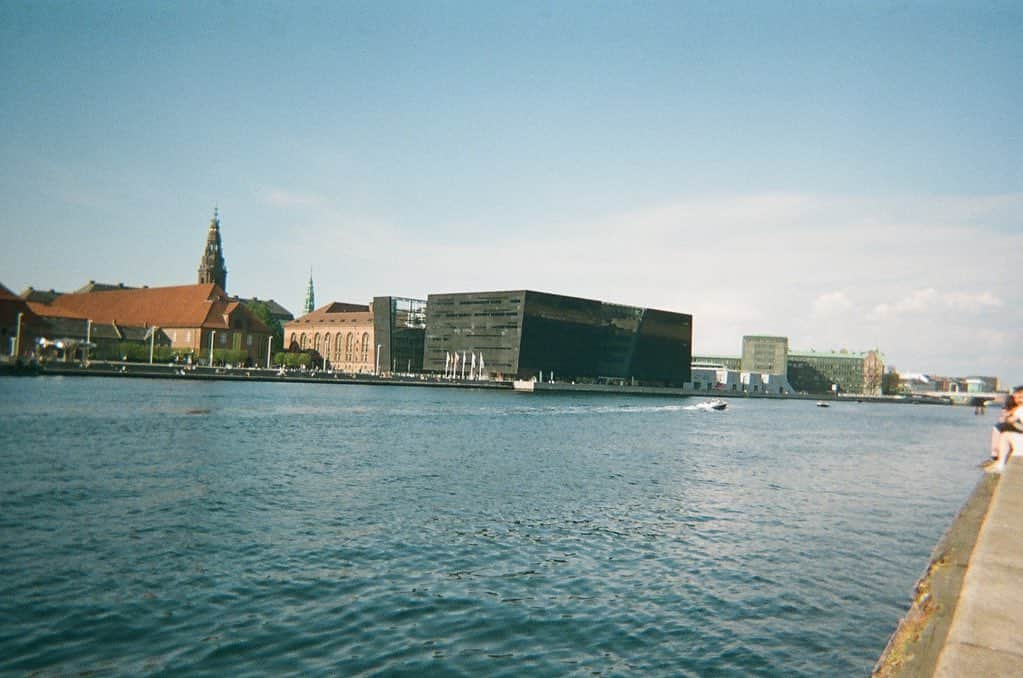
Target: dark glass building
x,y
398,330
521,334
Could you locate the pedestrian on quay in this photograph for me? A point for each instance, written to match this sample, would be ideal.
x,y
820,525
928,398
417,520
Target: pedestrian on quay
x,y
1007,435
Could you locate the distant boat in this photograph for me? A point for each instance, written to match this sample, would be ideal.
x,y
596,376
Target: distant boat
x,y
717,404
821,403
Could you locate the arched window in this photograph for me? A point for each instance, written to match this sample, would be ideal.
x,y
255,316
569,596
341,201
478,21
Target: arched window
x,y
337,347
348,347
301,341
365,346
316,342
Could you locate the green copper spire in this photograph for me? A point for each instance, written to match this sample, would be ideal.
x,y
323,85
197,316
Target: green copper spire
x,y
310,302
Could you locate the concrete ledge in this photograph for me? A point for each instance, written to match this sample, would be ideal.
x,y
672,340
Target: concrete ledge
x,y
988,609
978,661
917,643
984,639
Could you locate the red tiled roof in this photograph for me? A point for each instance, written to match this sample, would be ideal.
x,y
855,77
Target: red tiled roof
x,y
180,306
47,311
342,307
335,311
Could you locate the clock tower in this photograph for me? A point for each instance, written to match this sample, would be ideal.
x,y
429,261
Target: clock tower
x,y
211,266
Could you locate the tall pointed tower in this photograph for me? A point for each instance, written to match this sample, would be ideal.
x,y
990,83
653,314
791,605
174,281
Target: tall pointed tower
x,y
310,300
211,266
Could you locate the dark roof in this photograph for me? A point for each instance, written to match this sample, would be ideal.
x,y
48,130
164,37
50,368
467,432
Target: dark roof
x,y
335,311
93,286
11,305
77,328
39,296
341,307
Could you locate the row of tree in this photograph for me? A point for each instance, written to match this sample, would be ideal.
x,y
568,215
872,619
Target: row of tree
x,y
136,352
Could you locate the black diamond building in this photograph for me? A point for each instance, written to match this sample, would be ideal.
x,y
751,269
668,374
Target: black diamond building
x,y
521,334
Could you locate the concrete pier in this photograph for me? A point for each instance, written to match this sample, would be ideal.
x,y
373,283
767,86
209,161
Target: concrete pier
x,y
967,615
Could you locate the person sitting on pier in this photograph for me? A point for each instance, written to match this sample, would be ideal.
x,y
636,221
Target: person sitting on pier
x,y
1007,436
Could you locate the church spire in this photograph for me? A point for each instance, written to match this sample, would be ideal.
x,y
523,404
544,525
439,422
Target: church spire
x,y
211,266
310,299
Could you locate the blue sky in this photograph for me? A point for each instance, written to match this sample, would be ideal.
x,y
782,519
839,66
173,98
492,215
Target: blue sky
x,y
845,174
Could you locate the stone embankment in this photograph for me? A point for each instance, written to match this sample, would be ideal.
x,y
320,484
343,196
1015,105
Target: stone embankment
x,y
196,373
967,610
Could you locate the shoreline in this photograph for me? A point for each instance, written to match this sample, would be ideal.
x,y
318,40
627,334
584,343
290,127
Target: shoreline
x,y
164,371
182,373
916,644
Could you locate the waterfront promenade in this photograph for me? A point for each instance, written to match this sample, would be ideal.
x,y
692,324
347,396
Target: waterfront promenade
x,y
319,376
202,373
968,609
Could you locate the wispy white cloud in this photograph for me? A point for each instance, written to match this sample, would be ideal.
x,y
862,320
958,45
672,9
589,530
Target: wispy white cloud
x,y
964,301
930,299
832,303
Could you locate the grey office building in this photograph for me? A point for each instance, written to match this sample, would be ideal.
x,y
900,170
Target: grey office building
x,y
519,334
767,355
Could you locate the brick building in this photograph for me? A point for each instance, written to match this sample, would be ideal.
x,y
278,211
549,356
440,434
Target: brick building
x,y
195,318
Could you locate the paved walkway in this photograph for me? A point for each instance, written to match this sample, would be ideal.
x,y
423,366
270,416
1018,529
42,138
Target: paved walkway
x,y
986,634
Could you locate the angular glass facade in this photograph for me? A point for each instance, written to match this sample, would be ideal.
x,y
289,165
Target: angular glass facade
x,y
399,330
522,334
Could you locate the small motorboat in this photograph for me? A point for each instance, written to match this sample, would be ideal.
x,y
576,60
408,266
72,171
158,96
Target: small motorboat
x,y
821,403
717,404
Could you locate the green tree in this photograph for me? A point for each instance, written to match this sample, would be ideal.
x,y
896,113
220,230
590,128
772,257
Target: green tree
x,y
262,311
293,359
890,382
229,356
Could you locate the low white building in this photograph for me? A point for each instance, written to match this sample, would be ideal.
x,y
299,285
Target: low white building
x,y
712,377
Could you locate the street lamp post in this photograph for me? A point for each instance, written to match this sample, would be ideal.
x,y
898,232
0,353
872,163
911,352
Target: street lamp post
x,y
269,349
152,342
88,340
17,337
379,346
213,333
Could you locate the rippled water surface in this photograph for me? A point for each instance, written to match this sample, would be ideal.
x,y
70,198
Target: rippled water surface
x,y
152,526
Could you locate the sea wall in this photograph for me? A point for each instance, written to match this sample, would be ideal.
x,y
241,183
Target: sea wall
x,y
917,642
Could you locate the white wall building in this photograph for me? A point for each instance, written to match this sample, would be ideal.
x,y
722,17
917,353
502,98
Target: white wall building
x,y
717,378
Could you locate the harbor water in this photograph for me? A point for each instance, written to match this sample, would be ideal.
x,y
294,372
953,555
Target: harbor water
x,y
160,526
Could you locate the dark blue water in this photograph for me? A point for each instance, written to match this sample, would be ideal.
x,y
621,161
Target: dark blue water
x,y
211,528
